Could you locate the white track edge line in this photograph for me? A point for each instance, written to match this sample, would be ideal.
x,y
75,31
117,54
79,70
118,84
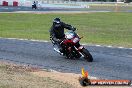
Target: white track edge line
x,y
48,41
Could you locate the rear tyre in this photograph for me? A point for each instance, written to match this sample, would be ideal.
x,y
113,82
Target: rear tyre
x,y
87,55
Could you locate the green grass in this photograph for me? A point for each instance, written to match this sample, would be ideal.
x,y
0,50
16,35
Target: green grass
x,y
97,28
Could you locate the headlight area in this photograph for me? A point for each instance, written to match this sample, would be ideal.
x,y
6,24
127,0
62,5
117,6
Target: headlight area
x,y
75,40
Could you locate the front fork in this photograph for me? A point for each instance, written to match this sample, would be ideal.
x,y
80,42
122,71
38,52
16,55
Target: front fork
x,y
79,49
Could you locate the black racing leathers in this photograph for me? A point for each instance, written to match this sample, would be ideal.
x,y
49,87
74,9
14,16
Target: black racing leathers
x,y
57,33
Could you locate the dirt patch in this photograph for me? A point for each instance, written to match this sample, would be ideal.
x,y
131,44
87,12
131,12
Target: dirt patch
x,y
69,78
19,68
38,75
16,76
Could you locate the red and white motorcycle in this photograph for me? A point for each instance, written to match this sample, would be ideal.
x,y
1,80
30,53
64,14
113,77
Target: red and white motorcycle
x,y
71,47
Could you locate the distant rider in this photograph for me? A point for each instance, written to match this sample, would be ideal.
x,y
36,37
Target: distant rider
x,y
34,5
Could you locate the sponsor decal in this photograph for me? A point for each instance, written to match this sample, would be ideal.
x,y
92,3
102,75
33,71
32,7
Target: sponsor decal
x,y
85,81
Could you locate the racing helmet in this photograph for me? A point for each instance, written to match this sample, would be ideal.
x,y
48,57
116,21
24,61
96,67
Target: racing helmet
x,y
57,22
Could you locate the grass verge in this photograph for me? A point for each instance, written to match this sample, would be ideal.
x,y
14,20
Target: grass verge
x,y
97,28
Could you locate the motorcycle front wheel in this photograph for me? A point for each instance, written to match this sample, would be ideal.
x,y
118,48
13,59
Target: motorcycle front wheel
x,y
87,55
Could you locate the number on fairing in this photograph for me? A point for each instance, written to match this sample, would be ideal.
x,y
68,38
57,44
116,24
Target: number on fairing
x,y
75,40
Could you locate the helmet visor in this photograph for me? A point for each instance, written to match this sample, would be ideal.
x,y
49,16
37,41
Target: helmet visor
x,y
56,21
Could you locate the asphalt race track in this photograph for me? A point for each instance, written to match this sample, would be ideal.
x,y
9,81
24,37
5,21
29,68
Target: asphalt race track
x,y
109,63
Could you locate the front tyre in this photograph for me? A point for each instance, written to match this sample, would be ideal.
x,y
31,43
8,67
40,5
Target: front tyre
x,y
87,55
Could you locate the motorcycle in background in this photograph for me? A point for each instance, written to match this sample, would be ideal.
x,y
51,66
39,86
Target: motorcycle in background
x,y
34,5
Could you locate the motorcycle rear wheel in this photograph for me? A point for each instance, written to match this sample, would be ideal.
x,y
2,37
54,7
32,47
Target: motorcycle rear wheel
x,y
87,55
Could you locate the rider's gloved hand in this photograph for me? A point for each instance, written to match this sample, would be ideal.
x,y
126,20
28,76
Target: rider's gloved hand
x,y
73,28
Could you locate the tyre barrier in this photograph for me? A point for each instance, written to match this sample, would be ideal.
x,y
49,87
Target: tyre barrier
x,y
5,3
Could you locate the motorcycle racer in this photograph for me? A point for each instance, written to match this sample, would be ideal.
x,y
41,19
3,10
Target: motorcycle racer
x,y
67,43
57,31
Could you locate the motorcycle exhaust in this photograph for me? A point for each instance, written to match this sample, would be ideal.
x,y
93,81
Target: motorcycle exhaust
x,y
57,50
